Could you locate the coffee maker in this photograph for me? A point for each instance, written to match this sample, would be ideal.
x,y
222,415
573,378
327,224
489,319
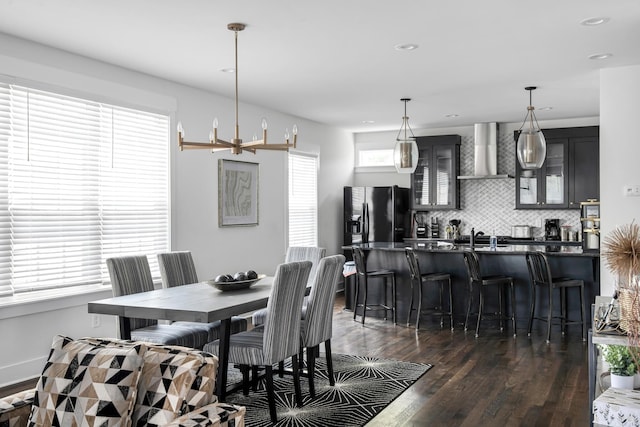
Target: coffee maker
x,y
420,219
551,229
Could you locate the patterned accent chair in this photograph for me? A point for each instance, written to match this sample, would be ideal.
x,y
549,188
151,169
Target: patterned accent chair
x,y
296,253
279,339
177,269
105,381
317,316
130,275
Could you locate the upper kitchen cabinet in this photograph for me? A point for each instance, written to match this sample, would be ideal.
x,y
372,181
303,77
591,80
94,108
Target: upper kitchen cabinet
x,y
569,174
434,183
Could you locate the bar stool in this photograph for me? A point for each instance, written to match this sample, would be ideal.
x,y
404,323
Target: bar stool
x,y
482,282
362,278
540,276
431,279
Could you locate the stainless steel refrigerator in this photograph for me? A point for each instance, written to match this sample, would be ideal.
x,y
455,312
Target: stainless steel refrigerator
x,y
376,214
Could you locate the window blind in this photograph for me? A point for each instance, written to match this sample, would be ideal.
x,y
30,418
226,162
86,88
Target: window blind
x,y
80,182
303,199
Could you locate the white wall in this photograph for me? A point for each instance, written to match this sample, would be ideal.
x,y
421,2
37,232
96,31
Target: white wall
x,y
619,153
26,330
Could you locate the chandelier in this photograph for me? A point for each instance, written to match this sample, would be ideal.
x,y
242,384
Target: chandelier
x,y
531,146
236,145
405,153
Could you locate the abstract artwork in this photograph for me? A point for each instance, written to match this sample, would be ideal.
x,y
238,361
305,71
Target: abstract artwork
x,y
237,193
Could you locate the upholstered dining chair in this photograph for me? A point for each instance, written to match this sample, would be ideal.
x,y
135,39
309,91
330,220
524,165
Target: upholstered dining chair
x,y
279,339
317,316
296,253
131,275
541,278
477,280
177,269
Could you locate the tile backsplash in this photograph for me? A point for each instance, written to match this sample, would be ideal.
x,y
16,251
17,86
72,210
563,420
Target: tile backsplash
x,y
488,205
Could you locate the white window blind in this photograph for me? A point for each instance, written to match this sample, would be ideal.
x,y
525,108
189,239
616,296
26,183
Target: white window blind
x,y
80,182
303,199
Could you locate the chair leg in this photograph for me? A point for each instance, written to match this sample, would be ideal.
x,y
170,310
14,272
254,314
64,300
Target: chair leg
x,y
311,365
411,306
393,298
281,368
563,311
549,314
364,301
582,310
441,307
513,308
502,313
466,320
532,309
270,394
244,369
450,304
327,350
296,380
480,309
419,304
355,297
255,380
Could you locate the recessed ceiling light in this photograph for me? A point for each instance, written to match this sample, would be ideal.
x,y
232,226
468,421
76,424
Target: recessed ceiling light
x,y
228,70
545,109
368,122
600,56
409,46
451,116
591,22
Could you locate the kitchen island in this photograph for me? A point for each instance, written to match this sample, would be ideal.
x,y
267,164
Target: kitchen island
x,y
439,256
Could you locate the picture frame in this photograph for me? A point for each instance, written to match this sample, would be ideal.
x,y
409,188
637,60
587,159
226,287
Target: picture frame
x,y
237,193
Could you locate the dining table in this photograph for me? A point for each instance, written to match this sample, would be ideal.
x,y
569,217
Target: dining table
x,y
197,302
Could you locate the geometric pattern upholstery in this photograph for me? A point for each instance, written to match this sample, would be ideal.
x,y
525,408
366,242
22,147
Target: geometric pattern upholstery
x,y
192,396
174,380
82,384
177,269
131,275
296,253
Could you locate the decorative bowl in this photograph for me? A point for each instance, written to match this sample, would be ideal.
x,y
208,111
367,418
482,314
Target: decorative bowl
x,y
236,285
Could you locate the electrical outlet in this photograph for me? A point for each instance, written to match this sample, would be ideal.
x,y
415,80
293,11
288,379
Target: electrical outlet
x,y
631,190
95,321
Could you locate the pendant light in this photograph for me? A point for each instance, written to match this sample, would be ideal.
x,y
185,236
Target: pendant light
x,y
405,153
531,146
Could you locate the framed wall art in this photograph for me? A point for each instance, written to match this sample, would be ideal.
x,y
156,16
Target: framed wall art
x,y
237,193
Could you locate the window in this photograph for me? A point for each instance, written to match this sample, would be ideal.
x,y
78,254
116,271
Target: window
x,y
80,181
375,157
303,199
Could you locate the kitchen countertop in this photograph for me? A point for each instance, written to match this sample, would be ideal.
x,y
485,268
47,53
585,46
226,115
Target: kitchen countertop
x,y
555,249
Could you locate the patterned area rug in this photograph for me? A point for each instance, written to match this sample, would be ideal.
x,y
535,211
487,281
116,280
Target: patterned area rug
x,y
364,387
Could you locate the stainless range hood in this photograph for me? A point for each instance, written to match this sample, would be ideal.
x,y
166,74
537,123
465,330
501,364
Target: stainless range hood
x,y
485,156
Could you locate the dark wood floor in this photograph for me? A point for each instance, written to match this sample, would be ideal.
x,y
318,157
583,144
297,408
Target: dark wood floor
x,y
493,380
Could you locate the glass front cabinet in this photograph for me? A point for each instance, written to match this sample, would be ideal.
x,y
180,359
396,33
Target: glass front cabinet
x,y
569,174
434,184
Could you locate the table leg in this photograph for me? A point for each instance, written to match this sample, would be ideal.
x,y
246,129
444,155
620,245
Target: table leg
x,y
223,359
125,328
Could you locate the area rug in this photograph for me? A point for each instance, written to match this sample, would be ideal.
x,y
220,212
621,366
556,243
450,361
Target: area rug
x,y
364,387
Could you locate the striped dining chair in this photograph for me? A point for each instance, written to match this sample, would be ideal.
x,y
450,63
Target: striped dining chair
x,y
177,269
279,339
131,275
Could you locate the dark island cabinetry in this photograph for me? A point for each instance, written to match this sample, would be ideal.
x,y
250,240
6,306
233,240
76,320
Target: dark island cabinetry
x,y
569,175
434,184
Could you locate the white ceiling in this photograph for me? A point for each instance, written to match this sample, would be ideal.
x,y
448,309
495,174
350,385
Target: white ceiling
x,y
334,62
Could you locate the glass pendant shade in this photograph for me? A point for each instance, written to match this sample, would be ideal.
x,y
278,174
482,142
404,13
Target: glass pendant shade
x,y
405,156
531,149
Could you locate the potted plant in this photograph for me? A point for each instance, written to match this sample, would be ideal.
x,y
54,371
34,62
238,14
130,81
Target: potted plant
x,y
621,366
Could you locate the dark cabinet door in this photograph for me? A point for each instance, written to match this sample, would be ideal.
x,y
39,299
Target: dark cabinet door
x,y
434,184
584,155
569,175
